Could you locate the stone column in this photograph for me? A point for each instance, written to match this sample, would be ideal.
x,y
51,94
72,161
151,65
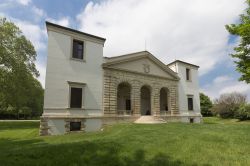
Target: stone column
x,y
110,94
113,96
135,97
155,103
174,100
106,87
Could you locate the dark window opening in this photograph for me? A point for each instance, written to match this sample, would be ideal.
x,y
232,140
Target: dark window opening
x,y
75,126
191,120
148,112
76,98
188,74
77,49
190,103
128,105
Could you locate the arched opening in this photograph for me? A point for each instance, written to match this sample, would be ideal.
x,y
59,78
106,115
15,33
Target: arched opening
x,y
164,100
145,101
124,98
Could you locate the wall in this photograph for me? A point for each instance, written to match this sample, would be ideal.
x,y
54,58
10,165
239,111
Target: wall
x,y
113,77
61,68
188,88
173,67
57,126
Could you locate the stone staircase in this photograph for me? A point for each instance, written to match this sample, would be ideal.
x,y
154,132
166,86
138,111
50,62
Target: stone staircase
x,y
149,120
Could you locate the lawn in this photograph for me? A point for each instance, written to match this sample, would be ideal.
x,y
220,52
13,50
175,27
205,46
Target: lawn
x,y
215,142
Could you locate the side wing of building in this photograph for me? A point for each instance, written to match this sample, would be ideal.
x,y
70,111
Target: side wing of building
x,y
188,89
74,76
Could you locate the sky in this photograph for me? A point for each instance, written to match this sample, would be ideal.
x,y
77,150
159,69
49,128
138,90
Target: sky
x,y
188,30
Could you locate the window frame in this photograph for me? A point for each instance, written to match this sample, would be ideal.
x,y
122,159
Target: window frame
x,y
72,50
76,85
189,76
70,124
192,97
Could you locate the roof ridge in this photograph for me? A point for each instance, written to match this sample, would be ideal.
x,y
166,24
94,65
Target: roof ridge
x,y
118,56
73,30
183,62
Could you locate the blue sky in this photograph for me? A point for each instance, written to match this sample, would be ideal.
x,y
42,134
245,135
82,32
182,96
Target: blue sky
x,y
192,32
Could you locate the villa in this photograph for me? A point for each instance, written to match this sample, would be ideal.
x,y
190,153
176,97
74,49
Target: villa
x,y
85,91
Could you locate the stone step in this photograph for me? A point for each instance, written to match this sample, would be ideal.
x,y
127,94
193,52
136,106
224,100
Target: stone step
x,y
175,112
149,120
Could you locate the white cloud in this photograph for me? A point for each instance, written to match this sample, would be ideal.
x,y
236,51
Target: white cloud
x,y
192,31
5,5
26,6
24,2
225,84
238,87
64,21
39,12
221,79
34,33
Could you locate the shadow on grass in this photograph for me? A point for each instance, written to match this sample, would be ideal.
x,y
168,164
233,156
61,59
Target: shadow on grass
x,y
19,125
96,153
13,144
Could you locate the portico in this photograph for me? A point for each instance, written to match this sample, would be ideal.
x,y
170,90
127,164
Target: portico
x,y
136,93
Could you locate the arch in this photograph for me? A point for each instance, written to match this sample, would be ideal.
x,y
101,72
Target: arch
x,y
124,98
145,100
164,100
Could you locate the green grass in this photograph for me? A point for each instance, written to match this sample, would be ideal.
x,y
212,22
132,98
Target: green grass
x,y
215,142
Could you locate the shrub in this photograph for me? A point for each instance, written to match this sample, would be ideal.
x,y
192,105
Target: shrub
x,y
243,112
227,105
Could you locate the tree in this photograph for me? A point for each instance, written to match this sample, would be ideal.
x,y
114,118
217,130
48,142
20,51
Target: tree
x,y
244,112
242,51
206,105
19,87
227,105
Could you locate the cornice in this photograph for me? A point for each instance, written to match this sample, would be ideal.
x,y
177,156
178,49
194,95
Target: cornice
x,y
136,72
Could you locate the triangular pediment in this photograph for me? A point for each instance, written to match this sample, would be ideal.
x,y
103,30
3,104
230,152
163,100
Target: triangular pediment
x,y
141,62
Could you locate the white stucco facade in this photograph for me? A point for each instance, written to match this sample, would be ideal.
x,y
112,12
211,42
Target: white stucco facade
x,y
62,69
187,88
99,78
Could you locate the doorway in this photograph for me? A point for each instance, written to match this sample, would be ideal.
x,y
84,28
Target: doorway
x,y
145,101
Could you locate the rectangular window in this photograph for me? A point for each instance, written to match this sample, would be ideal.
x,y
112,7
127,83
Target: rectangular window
x,y
187,74
75,126
76,97
191,120
78,49
190,103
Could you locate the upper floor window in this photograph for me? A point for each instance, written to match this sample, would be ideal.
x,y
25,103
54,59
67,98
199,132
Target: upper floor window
x,y
78,49
188,75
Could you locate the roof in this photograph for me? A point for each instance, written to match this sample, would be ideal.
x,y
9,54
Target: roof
x,y
183,63
127,55
73,30
137,55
